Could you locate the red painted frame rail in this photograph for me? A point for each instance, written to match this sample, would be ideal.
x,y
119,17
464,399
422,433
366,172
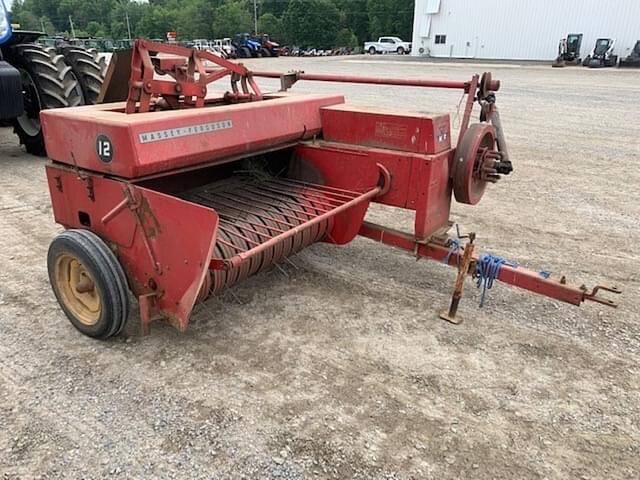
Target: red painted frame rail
x,y
517,276
451,84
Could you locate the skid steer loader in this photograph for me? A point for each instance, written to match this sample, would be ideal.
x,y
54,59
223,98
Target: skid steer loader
x,y
35,77
569,51
633,60
602,54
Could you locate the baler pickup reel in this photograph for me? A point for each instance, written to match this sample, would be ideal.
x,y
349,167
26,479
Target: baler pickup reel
x,y
178,193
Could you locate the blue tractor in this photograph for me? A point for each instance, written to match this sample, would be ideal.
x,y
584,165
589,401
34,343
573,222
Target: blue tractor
x,y
247,46
34,77
11,105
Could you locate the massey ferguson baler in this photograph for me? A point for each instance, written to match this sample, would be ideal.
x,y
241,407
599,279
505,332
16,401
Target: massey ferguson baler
x,y
179,194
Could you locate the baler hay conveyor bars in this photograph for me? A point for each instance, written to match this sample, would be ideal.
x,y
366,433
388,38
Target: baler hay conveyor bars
x,y
178,194
260,216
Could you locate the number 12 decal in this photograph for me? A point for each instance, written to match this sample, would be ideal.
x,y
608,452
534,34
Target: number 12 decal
x,y
104,148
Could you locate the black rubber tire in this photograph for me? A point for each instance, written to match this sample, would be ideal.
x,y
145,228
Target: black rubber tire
x,y
100,60
265,52
586,61
244,52
109,278
89,68
400,51
55,83
372,50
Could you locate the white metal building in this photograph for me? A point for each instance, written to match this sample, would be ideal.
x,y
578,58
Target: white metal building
x,y
520,29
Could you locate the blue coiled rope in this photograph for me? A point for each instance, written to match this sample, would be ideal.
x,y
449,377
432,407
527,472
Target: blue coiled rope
x,y
454,247
487,270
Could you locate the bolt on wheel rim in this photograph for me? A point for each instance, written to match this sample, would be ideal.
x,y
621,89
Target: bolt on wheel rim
x,y
78,289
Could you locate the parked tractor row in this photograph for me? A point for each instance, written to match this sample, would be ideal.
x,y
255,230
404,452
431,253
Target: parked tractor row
x,y
243,45
602,54
221,46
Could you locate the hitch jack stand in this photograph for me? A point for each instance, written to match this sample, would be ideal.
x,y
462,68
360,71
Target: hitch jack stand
x,y
463,270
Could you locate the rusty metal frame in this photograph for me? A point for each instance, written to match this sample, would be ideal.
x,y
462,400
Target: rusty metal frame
x,y
143,86
517,276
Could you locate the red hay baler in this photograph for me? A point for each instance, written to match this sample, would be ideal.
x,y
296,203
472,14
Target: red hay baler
x,y
178,194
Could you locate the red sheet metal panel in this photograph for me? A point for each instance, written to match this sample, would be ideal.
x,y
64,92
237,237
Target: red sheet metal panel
x,y
103,138
80,202
375,127
418,182
429,193
333,166
163,243
358,165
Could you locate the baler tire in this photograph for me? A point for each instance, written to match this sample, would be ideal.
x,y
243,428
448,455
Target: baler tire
x,y
89,69
95,261
53,85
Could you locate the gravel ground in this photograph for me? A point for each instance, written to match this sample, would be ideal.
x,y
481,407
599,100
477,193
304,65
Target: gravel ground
x,y
339,367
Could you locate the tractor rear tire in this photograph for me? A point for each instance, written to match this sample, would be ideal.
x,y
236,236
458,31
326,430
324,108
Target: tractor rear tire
x,y
47,82
100,60
89,68
88,283
265,52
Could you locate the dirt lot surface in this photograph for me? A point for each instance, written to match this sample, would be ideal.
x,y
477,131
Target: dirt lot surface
x,y
340,368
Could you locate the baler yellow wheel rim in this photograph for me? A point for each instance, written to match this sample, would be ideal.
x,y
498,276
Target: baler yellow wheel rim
x,y
78,289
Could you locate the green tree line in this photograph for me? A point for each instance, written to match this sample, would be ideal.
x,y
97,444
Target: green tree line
x,y
313,23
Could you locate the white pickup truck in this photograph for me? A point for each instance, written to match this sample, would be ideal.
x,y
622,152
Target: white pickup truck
x,y
387,45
